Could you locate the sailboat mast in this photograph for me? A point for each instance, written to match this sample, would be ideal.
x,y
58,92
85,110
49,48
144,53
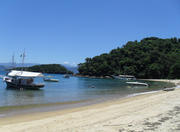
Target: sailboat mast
x,y
13,62
23,57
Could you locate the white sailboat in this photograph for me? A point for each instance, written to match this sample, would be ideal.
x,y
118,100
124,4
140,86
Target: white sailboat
x,y
23,79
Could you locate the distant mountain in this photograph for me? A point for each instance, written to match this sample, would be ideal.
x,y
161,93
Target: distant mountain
x,y
74,69
18,64
47,68
4,66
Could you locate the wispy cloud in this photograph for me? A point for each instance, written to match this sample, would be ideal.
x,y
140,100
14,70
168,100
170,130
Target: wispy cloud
x,y
66,63
70,63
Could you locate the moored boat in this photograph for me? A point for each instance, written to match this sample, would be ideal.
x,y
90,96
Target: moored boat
x,y
137,83
50,80
124,77
66,76
23,80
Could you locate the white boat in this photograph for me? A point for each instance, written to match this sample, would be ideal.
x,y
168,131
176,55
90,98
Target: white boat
x,y
23,80
66,76
124,77
51,80
137,83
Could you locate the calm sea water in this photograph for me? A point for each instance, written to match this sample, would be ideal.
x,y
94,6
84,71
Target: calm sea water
x,y
72,89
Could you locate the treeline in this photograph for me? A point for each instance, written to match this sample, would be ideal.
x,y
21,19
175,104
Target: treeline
x,y
150,58
47,68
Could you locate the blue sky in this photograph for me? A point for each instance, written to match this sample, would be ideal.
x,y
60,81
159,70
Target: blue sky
x,y
68,31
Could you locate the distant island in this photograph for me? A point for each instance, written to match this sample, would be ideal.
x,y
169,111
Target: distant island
x,y
46,68
150,58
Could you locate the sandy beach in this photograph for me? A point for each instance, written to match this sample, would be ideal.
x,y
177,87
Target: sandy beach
x,y
158,111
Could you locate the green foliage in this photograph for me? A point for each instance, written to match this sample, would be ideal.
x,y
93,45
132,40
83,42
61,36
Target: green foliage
x,y
150,58
175,71
47,68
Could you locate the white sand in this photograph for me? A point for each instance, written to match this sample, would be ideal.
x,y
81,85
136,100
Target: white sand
x,y
153,112
175,81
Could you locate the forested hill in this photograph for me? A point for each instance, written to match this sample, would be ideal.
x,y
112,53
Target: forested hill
x,y
47,68
150,58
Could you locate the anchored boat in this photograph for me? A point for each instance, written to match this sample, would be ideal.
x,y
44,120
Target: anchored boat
x,y
124,77
66,76
137,83
23,80
50,80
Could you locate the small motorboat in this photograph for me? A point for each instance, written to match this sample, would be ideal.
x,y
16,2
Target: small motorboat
x,y
66,76
124,77
50,80
137,83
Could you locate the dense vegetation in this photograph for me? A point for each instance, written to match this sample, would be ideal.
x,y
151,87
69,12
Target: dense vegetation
x,y
47,68
150,58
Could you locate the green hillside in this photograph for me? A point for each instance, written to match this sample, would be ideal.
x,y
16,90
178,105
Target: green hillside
x,y
150,58
47,68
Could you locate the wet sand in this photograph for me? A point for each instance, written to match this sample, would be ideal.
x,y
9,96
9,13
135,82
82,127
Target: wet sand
x,y
158,111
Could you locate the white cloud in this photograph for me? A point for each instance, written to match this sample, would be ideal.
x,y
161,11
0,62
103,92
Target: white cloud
x,y
74,64
66,62
70,63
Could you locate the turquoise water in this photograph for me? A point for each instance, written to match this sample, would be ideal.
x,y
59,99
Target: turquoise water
x,y
72,89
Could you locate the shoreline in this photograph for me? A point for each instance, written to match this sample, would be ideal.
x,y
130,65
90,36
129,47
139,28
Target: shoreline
x,y
21,110
17,110
55,118
76,109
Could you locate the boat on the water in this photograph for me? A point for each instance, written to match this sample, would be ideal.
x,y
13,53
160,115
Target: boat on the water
x,y
66,76
137,83
124,77
50,80
23,80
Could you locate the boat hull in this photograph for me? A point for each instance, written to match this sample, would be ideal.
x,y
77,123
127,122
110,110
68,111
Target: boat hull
x,y
51,80
137,83
32,86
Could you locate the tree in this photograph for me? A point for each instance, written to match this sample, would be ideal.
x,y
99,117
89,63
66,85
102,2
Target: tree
x,y
175,71
150,58
47,68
